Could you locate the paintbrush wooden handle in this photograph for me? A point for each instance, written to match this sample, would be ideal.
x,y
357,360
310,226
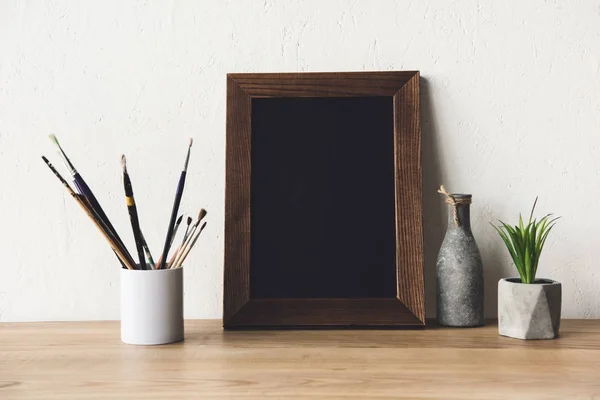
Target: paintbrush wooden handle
x,y
170,244
185,252
87,209
127,261
87,193
174,256
182,248
179,249
89,200
184,255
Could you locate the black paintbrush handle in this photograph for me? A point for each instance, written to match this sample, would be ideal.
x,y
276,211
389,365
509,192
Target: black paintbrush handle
x,y
81,202
107,233
135,226
147,251
87,193
176,203
135,222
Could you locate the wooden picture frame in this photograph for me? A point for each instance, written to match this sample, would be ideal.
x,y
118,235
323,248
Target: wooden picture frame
x,y
402,307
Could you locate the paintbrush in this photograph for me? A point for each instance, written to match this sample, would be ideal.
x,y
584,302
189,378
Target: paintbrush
x,y
117,248
147,251
187,230
187,250
59,176
177,223
172,238
85,190
175,258
185,237
133,215
123,259
176,203
201,214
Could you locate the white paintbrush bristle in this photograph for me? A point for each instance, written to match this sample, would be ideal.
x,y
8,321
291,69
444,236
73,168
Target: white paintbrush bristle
x,y
64,157
53,137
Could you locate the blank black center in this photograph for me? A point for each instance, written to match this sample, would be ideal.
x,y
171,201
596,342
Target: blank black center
x,y
322,198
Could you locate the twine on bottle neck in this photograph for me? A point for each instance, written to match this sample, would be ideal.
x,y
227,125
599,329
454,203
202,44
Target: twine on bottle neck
x,y
454,202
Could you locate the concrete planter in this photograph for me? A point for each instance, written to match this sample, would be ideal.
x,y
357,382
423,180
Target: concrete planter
x,y
529,311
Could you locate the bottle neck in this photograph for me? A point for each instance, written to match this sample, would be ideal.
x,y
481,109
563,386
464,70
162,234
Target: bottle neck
x,y
463,212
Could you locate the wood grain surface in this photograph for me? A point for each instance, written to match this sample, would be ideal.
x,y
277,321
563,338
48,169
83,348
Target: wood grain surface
x,y
403,87
323,84
323,312
236,286
409,205
85,360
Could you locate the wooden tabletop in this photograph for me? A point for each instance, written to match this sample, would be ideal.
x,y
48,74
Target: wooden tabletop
x,y
86,360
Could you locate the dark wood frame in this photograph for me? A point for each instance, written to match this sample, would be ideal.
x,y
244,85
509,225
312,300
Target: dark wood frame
x,y
407,308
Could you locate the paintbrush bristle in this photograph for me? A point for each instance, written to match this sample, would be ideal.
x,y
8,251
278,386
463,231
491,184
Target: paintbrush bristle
x,y
202,214
124,163
54,139
57,174
64,157
187,157
179,219
189,220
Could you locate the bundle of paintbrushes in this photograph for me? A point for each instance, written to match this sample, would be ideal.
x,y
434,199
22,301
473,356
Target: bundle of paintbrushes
x,y
82,194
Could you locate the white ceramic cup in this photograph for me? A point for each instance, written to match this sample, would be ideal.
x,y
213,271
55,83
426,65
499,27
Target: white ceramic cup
x,y
151,306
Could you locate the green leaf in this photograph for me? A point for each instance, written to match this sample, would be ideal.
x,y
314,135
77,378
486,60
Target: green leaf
x,y
526,242
528,269
508,243
520,228
543,234
531,245
543,241
509,246
517,242
542,226
516,238
533,208
544,237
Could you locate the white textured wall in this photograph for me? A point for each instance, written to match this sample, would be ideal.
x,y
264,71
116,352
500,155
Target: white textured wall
x,y
511,110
